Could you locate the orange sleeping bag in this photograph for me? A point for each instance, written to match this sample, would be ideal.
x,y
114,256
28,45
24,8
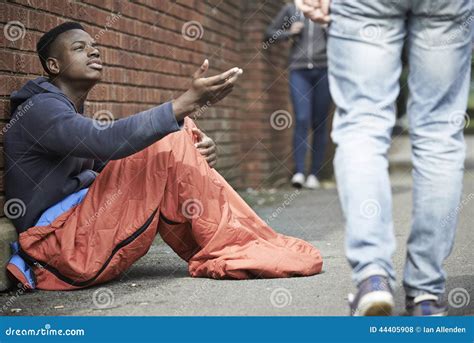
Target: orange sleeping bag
x,y
166,188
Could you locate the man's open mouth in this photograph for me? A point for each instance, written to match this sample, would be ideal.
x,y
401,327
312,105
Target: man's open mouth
x,y
95,64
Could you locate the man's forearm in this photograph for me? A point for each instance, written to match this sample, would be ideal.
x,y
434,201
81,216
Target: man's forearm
x,y
182,106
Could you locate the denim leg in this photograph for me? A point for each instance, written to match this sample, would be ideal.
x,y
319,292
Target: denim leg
x,y
364,51
440,60
321,102
301,90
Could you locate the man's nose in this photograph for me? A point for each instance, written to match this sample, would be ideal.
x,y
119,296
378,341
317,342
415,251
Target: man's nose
x,y
93,52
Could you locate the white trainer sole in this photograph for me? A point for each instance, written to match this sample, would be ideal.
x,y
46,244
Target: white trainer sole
x,y
377,303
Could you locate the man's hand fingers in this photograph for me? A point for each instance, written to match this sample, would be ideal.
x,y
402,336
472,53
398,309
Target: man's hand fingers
x,y
220,88
202,69
221,94
227,83
316,10
318,16
199,134
221,78
207,152
325,7
212,164
211,159
304,6
204,143
313,3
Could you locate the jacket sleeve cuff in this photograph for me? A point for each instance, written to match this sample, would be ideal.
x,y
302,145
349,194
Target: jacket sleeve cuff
x,y
164,120
85,178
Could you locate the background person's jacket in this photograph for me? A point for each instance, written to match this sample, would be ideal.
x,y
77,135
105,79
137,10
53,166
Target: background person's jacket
x,y
309,47
52,150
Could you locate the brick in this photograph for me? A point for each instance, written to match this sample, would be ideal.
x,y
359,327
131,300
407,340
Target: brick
x,y
148,61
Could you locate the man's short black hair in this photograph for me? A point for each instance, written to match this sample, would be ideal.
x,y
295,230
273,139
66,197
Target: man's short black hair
x,y
44,44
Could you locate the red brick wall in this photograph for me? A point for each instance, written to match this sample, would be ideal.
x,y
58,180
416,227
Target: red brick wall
x,y
149,61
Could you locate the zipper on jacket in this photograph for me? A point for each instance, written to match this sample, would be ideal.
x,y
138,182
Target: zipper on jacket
x,y
70,281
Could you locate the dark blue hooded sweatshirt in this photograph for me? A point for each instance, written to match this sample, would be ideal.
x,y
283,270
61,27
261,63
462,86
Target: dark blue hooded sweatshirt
x,y
52,150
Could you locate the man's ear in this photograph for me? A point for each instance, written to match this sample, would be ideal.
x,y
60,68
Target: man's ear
x,y
53,65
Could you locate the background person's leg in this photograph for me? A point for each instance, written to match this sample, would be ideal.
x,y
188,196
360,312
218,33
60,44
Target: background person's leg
x,y
439,60
320,112
364,47
301,91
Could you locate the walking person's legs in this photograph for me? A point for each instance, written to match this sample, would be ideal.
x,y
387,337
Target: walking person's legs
x,y
364,48
321,103
301,97
436,107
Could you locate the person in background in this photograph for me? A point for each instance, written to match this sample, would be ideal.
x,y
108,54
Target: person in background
x,y
309,88
364,62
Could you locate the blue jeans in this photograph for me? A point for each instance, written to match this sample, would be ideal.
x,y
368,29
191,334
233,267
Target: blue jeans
x,y
310,97
364,48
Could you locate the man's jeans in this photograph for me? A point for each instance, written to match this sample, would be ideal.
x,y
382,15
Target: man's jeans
x,y
310,97
364,48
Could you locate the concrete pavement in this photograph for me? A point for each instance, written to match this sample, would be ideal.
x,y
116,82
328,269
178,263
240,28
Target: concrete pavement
x,y
159,284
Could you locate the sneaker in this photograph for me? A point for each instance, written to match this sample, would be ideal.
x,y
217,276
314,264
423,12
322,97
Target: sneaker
x,y
426,305
374,298
312,182
297,180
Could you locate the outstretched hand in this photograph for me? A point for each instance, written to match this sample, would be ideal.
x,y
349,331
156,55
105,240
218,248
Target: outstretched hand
x,y
205,91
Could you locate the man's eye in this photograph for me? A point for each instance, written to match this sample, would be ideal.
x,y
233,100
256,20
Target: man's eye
x,y
78,48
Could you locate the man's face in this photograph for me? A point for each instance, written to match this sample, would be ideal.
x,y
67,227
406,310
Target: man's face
x,y
74,57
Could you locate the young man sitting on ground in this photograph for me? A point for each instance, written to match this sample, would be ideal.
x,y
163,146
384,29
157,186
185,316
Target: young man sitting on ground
x,y
95,196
